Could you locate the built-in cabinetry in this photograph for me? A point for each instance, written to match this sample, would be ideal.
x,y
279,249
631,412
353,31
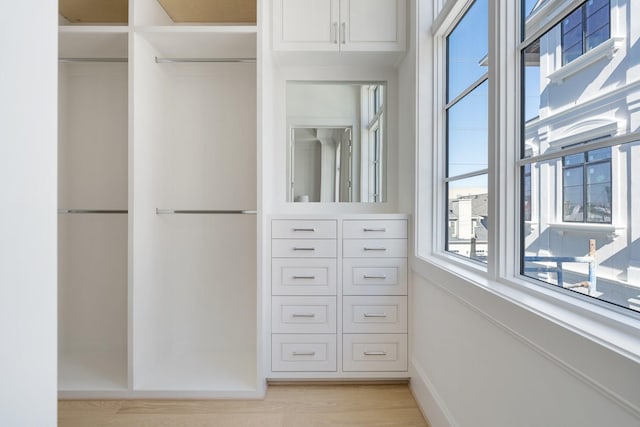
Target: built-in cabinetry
x,y
158,201
339,25
339,297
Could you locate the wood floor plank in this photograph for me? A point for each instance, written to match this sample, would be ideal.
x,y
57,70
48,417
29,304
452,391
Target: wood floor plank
x,y
283,406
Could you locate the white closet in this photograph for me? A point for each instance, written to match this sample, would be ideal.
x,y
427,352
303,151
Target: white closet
x,y
160,301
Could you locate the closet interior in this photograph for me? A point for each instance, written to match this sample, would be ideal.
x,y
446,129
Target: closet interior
x,y
157,199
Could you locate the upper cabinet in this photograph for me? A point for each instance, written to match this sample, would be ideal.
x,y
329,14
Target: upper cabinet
x,y
340,25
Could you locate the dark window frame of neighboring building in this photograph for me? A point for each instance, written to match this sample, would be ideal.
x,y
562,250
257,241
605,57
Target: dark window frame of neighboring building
x,y
581,20
583,166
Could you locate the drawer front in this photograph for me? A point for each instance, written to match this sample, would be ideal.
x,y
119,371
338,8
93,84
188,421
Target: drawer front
x,y
374,276
375,229
303,353
381,315
303,248
303,229
303,315
375,248
303,276
375,352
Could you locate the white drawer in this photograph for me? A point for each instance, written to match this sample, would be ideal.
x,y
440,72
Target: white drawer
x,y
366,276
303,353
303,248
303,315
375,352
303,229
296,276
375,248
381,315
375,229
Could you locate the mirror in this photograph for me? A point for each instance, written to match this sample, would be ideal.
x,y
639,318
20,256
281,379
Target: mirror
x,y
337,141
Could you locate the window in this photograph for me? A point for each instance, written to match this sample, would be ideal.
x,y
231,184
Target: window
x,y
373,108
584,29
467,135
586,195
579,150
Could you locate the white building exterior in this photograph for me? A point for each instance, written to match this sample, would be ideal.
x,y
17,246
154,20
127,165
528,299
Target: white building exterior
x,y
595,96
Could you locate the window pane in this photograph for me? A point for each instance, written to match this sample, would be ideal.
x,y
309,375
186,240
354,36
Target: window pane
x,y
467,216
595,5
467,130
526,189
574,20
576,159
572,37
597,20
467,46
532,82
597,38
571,53
547,244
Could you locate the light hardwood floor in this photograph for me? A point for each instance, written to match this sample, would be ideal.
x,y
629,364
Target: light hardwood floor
x,y
284,406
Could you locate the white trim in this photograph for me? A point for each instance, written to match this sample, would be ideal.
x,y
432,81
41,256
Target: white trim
x,y
594,128
610,230
431,404
605,49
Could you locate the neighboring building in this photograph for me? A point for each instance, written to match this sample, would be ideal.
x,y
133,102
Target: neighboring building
x,y
582,84
468,235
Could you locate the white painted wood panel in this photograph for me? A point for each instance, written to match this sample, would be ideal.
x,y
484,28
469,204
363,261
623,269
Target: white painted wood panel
x,y
303,315
366,276
307,353
374,25
297,276
374,314
374,229
306,24
303,248
375,248
374,352
303,229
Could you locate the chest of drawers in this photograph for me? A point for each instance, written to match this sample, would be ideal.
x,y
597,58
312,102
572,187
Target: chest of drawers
x,y
339,297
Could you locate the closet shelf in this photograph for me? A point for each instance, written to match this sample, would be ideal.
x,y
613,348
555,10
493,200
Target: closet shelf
x,y
93,41
210,10
94,11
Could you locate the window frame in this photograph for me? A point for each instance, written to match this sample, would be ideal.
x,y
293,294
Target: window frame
x,y
583,31
602,322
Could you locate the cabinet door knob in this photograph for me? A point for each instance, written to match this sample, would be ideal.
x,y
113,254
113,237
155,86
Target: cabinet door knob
x,y
304,249
375,249
304,315
309,230
334,33
366,276
304,353
375,353
375,315
304,277
343,36
382,230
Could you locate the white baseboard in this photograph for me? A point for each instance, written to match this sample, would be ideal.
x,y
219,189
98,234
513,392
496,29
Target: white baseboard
x,y
429,401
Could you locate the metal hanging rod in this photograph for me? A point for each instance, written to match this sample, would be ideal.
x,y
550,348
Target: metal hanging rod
x,y
228,60
92,211
93,60
204,212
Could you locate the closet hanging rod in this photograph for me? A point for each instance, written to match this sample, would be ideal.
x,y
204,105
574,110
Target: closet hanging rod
x,y
93,60
204,211
228,60
92,211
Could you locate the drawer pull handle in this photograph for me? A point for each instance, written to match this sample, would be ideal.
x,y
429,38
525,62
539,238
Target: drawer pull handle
x,y
375,249
380,230
375,315
304,353
375,353
304,315
366,276
304,277
304,249
308,230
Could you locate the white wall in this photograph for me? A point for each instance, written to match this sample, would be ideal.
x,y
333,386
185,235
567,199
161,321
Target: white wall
x,y
28,214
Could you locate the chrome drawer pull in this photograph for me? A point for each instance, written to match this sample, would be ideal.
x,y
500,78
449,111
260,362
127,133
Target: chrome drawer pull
x,y
310,230
382,230
374,277
305,315
375,315
307,353
304,277
375,249
304,249
375,353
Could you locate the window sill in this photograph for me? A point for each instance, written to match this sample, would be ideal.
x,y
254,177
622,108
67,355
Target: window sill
x,y
604,50
610,230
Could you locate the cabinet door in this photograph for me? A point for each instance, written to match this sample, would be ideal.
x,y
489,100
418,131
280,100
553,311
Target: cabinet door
x,y
306,25
373,25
